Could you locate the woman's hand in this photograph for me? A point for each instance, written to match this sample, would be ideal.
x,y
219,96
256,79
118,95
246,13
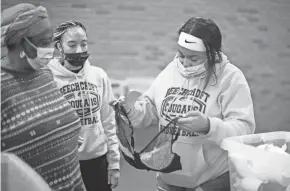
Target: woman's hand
x,y
129,101
113,177
80,141
122,101
194,121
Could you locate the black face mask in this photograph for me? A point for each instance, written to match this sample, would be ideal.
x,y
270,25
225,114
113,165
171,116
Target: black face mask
x,y
77,59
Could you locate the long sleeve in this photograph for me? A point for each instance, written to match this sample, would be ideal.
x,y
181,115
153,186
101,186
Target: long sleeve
x,y
144,112
109,124
237,110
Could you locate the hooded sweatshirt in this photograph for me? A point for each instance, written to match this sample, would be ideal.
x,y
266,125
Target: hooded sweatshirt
x,y
89,92
226,101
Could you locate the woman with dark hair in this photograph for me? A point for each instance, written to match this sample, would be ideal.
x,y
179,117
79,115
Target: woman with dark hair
x,y
88,89
37,123
213,99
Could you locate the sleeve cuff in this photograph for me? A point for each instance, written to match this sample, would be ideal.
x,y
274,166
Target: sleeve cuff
x,y
114,166
113,162
213,122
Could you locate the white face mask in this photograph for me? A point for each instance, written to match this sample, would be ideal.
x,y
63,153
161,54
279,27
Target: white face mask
x,y
190,71
44,55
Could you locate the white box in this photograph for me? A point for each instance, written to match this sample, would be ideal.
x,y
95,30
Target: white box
x,y
255,164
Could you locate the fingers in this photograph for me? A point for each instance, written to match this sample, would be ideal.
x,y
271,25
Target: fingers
x,y
120,100
188,117
184,128
109,177
184,120
113,103
81,138
187,121
80,141
191,114
114,182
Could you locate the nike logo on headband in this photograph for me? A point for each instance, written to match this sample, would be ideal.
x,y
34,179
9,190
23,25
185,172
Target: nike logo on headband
x,y
188,41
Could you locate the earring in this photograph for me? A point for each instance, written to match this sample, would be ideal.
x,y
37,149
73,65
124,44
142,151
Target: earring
x,y
22,54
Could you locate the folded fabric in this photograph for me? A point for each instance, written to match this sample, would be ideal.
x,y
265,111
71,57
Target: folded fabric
x,y
22,20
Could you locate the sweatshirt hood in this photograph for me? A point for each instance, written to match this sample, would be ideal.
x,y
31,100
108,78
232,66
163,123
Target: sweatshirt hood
x,y
60,71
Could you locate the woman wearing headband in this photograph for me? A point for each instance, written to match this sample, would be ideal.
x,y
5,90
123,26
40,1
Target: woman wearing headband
x,y
37,123
213,98
89,91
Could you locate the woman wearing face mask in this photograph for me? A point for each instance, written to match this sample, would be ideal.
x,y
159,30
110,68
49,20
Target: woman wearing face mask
x,y
89,91
37,123
212,97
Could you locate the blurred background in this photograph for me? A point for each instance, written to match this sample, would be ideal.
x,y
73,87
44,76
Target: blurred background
x,y
133,40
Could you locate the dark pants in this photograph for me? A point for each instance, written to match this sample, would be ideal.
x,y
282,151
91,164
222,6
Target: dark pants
x,y
95,174
221,183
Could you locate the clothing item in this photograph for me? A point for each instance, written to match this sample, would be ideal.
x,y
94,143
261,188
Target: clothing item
x,y
190,71
157,155
39,126
44,55
220,183
95,174
77,59
89,92
226,101
22,20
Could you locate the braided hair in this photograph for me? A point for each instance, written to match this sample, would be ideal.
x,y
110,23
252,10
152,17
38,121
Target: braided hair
x,y
209,32
63,27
